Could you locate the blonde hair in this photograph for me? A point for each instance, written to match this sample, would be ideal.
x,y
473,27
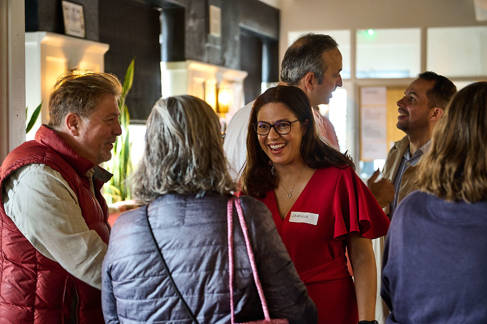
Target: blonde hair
x,y
183,151
80,94
455,168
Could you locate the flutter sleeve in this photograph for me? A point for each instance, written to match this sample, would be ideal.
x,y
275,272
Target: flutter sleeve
x,y
355,208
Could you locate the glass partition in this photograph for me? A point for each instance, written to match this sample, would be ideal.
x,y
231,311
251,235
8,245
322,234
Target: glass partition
x,y
457,51
388,53
336,111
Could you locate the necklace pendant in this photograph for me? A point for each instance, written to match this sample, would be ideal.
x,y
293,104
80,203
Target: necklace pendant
x,y
289,195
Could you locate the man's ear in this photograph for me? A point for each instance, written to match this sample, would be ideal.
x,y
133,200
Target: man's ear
x,y
437,113
72,123
307,81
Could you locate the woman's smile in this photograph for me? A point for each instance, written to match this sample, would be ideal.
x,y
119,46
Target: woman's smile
x,y
284,148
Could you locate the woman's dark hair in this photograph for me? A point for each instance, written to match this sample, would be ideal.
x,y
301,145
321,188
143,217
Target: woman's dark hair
x,y
258,178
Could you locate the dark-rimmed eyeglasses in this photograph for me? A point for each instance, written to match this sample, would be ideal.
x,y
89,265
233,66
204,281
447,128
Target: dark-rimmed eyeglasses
x,y
282,127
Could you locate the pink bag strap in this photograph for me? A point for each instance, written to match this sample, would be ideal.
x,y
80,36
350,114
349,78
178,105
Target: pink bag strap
x,y
250,254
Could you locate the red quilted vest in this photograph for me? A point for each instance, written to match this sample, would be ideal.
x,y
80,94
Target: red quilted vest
x,y
34,289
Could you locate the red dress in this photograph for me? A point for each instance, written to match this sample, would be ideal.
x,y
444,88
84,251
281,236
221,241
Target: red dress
x,y
334,203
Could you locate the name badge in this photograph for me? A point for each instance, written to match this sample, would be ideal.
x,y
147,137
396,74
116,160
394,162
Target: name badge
x,y
302,217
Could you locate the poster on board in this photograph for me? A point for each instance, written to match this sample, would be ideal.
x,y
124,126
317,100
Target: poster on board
x,y
373,134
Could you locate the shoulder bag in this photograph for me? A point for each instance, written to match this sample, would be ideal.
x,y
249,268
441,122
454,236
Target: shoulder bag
x,y
250,254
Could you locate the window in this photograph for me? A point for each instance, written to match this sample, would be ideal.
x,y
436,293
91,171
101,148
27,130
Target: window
x,y
388,53
457,51
336,111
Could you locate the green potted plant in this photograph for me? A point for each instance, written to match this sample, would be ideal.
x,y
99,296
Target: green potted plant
x,y
116,190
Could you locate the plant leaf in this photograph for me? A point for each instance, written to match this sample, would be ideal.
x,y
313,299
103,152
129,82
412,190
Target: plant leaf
x,y
129,78
33,118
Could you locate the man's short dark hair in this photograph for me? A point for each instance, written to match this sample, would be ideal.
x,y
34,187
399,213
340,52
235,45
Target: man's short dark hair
x,y
442,91
305,55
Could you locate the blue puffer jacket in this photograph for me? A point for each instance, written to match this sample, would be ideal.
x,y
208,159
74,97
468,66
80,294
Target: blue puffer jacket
x,y
192,235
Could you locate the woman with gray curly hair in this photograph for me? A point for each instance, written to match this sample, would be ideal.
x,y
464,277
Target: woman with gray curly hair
x,y
184,183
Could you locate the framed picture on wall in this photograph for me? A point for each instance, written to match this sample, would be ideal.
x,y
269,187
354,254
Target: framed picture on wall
x,y
74,19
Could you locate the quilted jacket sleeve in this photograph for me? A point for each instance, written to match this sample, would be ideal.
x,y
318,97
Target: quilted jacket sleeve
x,y
285,293
109,303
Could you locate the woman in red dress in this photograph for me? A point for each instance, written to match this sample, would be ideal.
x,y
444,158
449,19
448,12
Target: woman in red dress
x,y
320,206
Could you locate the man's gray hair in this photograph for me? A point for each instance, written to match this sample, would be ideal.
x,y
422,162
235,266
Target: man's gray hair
x,y
305,55
183,151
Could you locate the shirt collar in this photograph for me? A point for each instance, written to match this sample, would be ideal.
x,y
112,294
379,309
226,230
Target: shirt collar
x,y
99,174
423,149
49,137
